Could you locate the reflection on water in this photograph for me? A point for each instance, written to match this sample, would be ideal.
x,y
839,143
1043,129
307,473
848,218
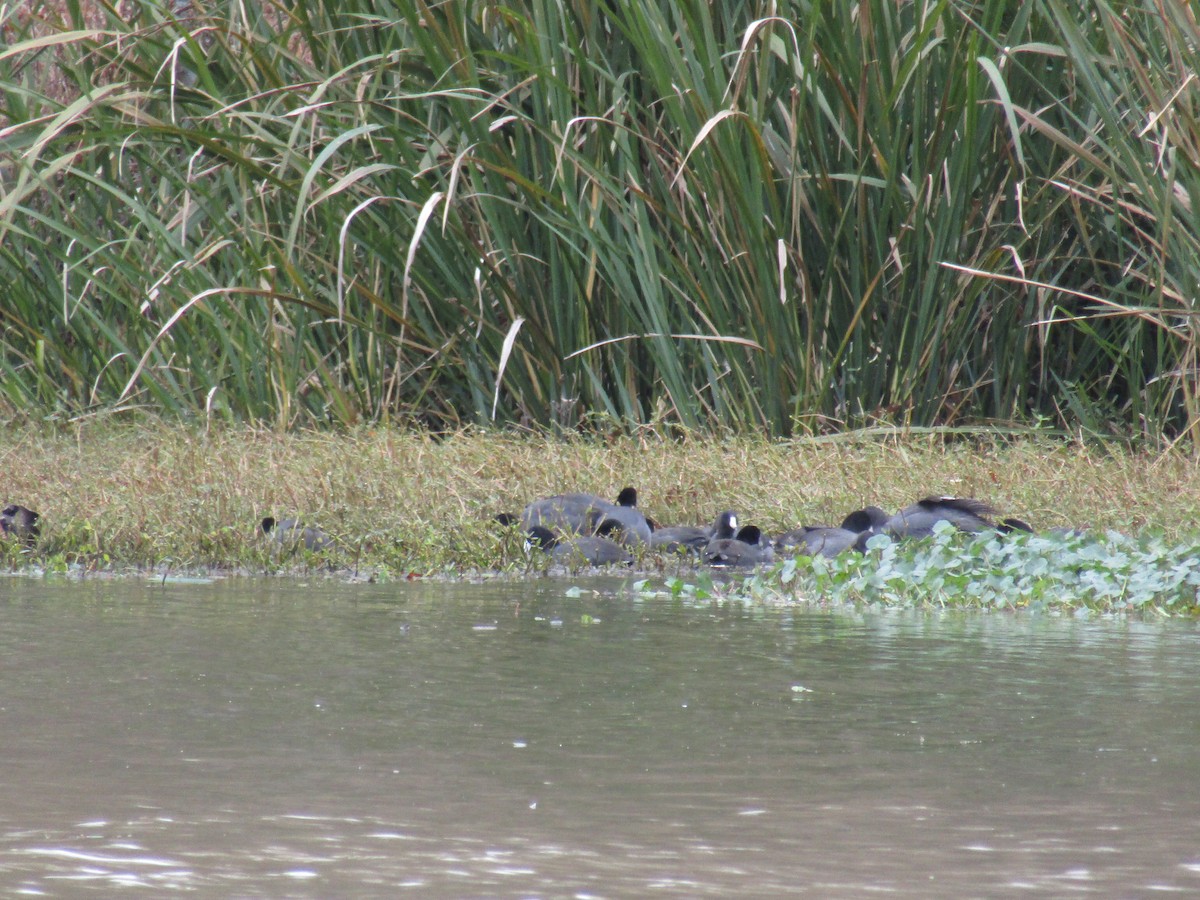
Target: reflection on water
x,y
279,738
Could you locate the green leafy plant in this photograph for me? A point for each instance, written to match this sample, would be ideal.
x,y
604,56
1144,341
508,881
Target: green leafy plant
x,y
1110,572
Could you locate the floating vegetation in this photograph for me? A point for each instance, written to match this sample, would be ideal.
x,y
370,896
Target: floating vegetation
x,y
1107,571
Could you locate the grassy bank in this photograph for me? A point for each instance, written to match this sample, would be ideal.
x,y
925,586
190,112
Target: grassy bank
x,y
156,497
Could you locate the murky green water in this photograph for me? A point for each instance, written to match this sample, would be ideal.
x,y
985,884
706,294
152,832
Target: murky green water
x,y
273,739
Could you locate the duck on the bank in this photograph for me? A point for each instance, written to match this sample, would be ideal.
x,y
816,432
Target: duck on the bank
x,y
748,547
579,513
582,550
562,513
292,533
680,538
824,540
693,538
625,519
21,523
919,519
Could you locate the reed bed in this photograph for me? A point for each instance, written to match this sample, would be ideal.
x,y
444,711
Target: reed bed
x,y
775,217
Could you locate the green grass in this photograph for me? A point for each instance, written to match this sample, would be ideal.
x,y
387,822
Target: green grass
x,y
674,213
157,498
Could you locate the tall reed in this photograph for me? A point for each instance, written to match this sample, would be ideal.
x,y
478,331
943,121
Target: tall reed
x,y
781,216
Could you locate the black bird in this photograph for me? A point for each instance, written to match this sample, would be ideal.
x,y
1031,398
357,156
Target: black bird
x,y
747,548
823,540
292,533
564,513
626,518
20,522
578,513
918,519
693,538
585,549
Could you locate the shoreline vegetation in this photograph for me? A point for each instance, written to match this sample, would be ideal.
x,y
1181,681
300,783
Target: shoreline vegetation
x,y
158,498
789,258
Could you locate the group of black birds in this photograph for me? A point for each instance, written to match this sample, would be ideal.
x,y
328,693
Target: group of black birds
x,y
585,529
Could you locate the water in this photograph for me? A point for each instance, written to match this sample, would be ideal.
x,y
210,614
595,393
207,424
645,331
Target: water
x,y
259,738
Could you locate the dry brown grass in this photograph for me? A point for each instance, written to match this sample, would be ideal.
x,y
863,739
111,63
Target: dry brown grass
x,y
145,495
